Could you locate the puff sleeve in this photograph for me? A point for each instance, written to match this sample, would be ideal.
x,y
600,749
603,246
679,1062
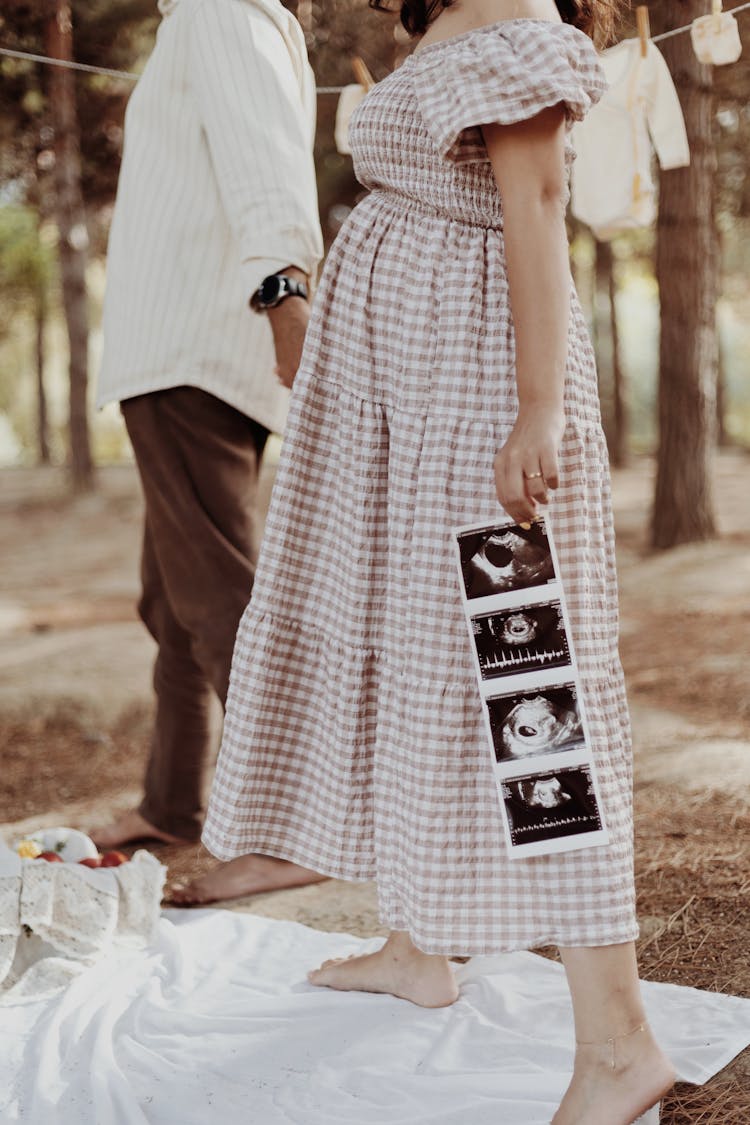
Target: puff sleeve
x,y
503,73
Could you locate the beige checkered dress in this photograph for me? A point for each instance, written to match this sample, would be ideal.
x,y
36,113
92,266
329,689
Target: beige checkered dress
x,y
353,741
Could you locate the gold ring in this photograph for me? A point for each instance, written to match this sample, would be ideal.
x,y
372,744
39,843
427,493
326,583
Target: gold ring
x,y
532,476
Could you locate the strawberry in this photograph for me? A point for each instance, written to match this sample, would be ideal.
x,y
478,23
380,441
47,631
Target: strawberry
x,y
51,857
91,861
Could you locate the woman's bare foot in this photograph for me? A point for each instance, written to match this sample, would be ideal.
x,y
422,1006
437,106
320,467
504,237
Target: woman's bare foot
x,y
599,1092
129,828
246,875
399,968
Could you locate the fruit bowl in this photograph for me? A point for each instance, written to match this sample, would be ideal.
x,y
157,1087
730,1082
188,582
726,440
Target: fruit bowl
x,y
68,844
57,915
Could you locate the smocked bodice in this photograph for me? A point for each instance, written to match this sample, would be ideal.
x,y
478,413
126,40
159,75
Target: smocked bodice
x,y
417,134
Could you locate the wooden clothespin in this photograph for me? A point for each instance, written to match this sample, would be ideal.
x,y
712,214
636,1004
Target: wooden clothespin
x,y
717,10
644,28
362,74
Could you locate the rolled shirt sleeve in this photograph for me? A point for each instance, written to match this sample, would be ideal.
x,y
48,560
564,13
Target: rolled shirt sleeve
x,y
255,95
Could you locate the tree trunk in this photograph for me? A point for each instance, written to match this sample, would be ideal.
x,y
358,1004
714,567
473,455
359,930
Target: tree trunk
x,y
618,449
723,439
687,272
73,238
606,341
42,430
600,326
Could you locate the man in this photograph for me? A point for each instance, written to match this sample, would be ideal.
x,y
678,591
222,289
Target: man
x,y
216,211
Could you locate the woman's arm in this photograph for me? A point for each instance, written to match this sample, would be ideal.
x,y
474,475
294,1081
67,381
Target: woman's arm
x,y
528,160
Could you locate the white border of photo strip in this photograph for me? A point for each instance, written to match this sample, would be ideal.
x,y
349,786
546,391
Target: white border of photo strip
x,y
580,759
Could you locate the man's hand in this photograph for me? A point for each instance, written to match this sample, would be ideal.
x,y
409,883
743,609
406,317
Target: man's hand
x,y
289,322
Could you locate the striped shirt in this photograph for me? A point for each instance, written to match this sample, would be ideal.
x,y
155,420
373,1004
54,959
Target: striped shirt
x,y
217,190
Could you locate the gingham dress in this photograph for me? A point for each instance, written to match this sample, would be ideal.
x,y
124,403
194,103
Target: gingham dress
x,y
353,741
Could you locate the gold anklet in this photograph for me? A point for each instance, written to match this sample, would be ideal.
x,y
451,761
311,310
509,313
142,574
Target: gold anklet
x,y
611,1042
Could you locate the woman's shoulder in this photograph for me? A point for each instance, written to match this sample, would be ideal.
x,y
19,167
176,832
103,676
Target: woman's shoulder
x,y
504,71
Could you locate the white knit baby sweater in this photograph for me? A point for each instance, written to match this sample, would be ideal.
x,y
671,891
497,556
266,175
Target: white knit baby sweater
x,y
612,186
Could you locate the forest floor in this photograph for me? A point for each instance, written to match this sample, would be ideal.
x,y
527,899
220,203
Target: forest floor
x,y
75,710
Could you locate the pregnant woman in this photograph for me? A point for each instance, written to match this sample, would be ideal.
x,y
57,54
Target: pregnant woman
x,y
447,367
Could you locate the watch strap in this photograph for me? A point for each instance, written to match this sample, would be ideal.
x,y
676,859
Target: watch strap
x,y
276,288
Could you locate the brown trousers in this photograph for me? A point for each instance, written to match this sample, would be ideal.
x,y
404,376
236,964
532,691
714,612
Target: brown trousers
x,y
198,460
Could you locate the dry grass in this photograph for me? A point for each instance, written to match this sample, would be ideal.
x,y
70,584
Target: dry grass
x,y
693,878
666,671
725,1101
54,757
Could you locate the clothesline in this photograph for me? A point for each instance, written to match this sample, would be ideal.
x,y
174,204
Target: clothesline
x,y
679,30
87,68
105,71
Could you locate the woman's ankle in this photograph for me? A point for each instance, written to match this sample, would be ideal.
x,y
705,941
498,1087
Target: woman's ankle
x,y
615,1052
598,1091
637,1061
400,946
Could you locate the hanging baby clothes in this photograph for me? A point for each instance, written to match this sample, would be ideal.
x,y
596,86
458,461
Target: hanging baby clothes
x,y
612,186
716,38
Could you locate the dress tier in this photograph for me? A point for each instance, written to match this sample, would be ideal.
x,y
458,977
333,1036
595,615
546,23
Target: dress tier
x,y
354,741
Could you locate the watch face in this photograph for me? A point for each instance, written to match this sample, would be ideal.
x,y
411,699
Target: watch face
x,y
270,289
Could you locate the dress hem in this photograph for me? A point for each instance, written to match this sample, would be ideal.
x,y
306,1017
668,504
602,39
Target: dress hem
x,y
445,948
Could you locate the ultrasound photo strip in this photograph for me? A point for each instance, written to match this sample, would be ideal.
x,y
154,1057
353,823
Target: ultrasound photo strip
x,y
502,559
527,676
554,811
535,722
527,638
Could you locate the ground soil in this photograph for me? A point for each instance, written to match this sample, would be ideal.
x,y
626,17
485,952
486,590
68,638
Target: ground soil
x,y
75,711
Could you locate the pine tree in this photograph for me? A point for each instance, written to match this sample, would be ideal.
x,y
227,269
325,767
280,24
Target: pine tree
x,y
53,119
687,269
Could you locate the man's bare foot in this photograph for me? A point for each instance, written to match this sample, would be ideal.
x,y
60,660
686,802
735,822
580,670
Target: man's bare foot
x,y
399,968
129,828
246,875
599,1092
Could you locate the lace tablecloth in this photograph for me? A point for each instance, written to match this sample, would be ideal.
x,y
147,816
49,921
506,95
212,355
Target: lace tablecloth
x,y
57,918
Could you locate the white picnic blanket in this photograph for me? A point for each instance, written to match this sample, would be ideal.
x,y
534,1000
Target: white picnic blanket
x,y
217,1023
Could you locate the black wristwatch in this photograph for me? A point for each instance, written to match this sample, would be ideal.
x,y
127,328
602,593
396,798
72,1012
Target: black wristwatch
x,y
275,289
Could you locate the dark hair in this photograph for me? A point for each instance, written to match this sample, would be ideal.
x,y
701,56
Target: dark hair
x,y
596,18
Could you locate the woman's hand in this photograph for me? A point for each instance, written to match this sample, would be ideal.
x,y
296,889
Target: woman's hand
x,y
526,467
